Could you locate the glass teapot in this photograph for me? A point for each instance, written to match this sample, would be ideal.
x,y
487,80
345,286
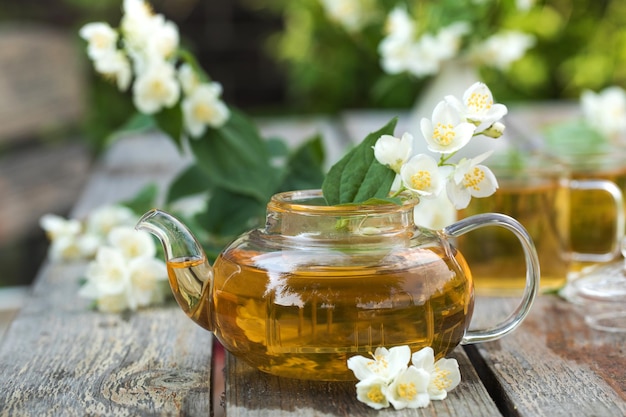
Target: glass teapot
x,y
319,284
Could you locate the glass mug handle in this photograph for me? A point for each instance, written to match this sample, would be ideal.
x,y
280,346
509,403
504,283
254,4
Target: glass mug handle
x,y
532,272
613,190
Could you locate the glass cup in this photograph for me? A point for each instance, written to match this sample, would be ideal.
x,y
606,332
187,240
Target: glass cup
x,y
601,291
537,191
593,218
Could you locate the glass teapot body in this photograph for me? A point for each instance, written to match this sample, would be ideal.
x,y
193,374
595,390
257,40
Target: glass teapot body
x,y
319,284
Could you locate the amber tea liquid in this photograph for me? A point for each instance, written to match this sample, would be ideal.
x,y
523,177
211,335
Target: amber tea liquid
x,y
593,220
305,321
494,255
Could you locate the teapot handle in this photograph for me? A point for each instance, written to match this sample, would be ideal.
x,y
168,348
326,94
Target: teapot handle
x,y
532,272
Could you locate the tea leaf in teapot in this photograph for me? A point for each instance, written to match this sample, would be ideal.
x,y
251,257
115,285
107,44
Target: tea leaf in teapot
x,y
358,176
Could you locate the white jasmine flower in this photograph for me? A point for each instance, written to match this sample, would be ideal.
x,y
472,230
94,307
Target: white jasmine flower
x,y
444,374
605,111
204,108
409,389
425,56
145,275
132,243
137,23
65,248
421,175
448,131
471,180
372,391
385,365
57,226
89,244
102,220
477,106
136,9
164,38
101,38
108,274
397,49
156,88
392,151
399,25
351,14
449,38
503,48
188,78
115,66
396,55
436,212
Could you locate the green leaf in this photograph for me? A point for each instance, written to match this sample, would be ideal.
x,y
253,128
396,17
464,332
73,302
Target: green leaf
x,y
276,147
235,157
170,121
144,200
191,181
304,167
358,176
230,214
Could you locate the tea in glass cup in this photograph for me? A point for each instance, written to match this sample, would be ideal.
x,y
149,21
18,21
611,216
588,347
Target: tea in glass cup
x,y
593,221
537,192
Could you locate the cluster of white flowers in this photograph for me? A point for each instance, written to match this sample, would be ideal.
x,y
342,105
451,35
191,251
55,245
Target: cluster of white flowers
x,y
123,272
606,111
405,49
454,123
386,378
144,49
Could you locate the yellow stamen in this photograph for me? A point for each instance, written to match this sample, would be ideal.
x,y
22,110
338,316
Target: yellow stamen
x,y
444,134
407,391
375,394
473,178
441,379
203,112
479,102
421,180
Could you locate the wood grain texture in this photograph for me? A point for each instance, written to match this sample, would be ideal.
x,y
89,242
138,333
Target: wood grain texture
x,y
555,365
61,358
253,393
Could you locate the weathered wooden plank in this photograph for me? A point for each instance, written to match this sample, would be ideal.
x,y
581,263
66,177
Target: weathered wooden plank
x,y
249,392
555,365
61,358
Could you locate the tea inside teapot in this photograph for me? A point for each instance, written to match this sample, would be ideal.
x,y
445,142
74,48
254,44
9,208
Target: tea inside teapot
x,y
320,284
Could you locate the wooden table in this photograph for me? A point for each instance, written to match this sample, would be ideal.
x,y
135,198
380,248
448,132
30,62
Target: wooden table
x,y
59,358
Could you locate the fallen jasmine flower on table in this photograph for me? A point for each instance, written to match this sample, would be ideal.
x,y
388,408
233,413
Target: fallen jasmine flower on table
x,y
444,374
123,272
387,378
125,275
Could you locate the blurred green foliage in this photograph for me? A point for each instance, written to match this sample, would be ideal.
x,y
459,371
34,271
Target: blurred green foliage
x,y
580,44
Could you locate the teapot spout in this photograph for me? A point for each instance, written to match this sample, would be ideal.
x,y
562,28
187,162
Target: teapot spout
x,y
190,274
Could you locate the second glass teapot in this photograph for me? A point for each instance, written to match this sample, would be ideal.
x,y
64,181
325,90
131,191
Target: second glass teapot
x,y
319,284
